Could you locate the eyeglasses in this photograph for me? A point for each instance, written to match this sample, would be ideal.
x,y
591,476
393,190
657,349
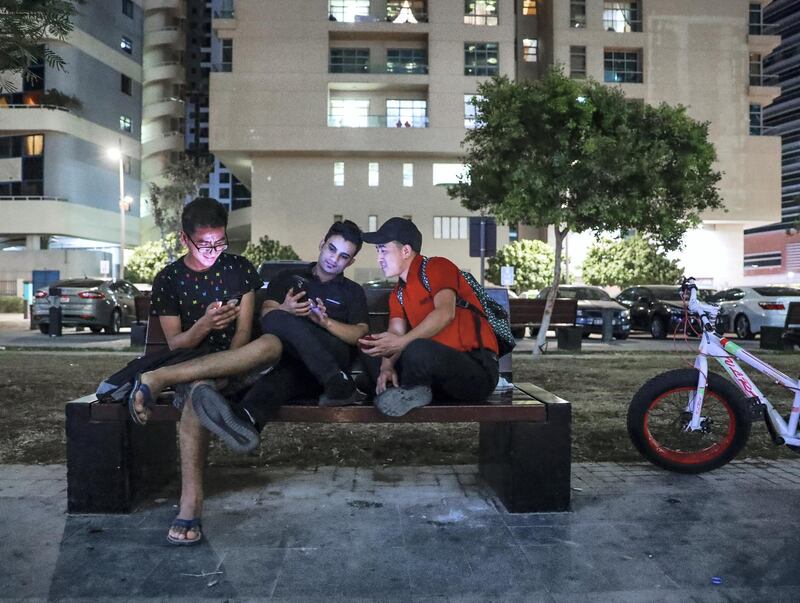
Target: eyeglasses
x,y
210,249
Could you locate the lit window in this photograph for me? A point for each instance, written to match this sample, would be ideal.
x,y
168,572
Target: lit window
x,y
34,145
348,113
406,60
407,11
622,17
372,223
480,12
406,113
338,173
125,123
126,45
622,67
530,50
481,58
449,173
577,62
471,110
348,10
528,7
450,227
577,14
373,174
408,174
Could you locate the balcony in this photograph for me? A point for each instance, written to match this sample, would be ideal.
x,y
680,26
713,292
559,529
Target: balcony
x,y
763,89
377,121
165,107
166,36
395,12
763,38
397,68
222,67
170,141
176,5
172,70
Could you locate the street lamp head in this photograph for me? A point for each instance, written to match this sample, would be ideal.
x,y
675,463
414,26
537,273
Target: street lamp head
x,y
113,153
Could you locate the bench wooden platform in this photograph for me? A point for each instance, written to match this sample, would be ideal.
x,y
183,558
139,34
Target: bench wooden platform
x,y
529,312
524,444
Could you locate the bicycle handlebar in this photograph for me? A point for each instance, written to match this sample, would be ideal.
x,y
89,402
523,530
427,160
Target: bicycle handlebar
x,y
707,312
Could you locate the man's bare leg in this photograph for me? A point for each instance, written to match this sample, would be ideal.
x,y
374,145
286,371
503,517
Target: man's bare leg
x,y
194,451
264,350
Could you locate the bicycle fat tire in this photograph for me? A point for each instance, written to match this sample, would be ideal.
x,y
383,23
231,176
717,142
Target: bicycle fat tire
x,y
656,417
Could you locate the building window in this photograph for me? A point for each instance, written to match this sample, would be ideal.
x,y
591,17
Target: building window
x,y
338,174
338,218
348,113
406,113
577,14
125,84
126,45
408,174
372,223
528,7
348,10
127,8
577,62
481,58
349,60
756,120
126,164
513,232
530,50
374,174
622,17
471,111
756,70
450,227
224,193
227,55
449,173
33,145
407,11
406,60
480,12
224,177
756,21
125,123
622,66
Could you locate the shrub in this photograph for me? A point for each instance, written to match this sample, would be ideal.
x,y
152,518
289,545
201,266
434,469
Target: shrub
x,y
148,259
268,249
533,263
631,261
11,304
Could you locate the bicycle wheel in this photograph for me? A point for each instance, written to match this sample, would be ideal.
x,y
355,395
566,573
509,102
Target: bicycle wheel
x,y
657,419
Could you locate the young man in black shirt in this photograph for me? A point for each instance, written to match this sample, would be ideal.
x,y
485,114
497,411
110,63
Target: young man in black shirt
x,y
318,314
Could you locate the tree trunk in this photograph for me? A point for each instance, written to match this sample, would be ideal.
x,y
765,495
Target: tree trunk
x,y
541,338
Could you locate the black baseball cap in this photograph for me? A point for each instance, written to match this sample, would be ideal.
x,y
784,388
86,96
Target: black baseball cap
x,y
396,229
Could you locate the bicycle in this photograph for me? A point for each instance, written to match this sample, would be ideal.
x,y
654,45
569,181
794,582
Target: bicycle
x,y
690,420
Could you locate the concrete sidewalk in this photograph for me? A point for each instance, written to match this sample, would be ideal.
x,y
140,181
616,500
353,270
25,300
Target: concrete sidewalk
x,y
635,533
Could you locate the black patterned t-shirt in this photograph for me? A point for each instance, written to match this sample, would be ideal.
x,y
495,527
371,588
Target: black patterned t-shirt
x,y
180,291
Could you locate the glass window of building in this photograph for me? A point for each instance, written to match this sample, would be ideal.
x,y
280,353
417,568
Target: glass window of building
x,y
125,84
408,174
577,62
372,223
224,193
401,113
577,14
33,145
348,113
471,111
349,60
480,58
449,173
756,69
338,174
126,45
450,227
338,217
127,8
374,174
622,66
227,55
125,123
530,50
407,11
406,60
224,177
756,19
529,7
480,12
756,120
622,17
348,10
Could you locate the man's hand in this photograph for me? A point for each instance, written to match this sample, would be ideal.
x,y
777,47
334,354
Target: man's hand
x,y
385,377
383,344
219,315
319,314
293,305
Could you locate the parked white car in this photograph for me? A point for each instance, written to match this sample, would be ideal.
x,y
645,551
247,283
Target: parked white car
x,y
744,310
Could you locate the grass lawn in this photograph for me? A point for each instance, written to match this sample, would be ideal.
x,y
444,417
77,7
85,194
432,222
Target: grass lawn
x,y
35,385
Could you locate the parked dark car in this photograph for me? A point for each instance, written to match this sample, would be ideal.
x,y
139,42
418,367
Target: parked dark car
x,y
592,301
658,309
87,302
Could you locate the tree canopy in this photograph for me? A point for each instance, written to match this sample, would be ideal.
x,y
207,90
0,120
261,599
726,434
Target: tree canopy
x,y
268,249
148,259
626,262
576,155
532,262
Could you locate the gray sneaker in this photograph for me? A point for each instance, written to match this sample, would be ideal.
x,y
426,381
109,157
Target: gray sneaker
x,y
216,414
397,401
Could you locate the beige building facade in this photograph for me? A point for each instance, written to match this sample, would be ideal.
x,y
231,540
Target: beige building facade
x,y
357,108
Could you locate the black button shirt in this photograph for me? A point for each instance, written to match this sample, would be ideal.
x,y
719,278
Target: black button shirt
x,y
344,299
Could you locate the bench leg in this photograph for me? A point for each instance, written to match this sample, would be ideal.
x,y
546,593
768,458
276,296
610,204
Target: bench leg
x,y
528,464
112,464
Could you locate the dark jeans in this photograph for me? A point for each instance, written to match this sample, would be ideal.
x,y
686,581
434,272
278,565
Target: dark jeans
x,y
453,375
311,356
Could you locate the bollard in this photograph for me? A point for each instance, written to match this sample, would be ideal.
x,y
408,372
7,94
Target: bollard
x,y
608,325
54,328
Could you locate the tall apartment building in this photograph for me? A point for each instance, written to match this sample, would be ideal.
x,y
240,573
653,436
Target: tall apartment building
x,y
59,190
772,253
357,108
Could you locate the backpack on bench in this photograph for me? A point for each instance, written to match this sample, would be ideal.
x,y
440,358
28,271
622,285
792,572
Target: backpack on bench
x,y
494,313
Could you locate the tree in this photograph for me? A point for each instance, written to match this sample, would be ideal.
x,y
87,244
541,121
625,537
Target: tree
x,y
532,262
148,259
184,178
577,155
268,249
26,25
627,262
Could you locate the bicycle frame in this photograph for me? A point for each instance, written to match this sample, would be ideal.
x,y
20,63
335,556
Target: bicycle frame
x,y
727,353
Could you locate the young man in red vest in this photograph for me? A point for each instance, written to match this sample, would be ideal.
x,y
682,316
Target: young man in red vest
x,y
435,345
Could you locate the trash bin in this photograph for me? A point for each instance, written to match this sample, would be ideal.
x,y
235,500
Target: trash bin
x,y
569,338
772,339
138,334
54,315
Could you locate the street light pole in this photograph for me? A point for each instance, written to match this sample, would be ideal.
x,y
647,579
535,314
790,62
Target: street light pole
x,y
122,209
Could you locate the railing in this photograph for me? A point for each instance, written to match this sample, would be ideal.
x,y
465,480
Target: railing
x,y
162,136
377,121
225,14
51,107
397,67
222,67
167,99
763,130
764,29
764,79
33,198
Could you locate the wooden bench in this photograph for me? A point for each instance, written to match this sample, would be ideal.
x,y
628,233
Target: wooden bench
x,y
524,444
791,328
529,312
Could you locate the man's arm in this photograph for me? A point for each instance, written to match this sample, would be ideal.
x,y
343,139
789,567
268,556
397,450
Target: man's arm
x,y
216,317
244,321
